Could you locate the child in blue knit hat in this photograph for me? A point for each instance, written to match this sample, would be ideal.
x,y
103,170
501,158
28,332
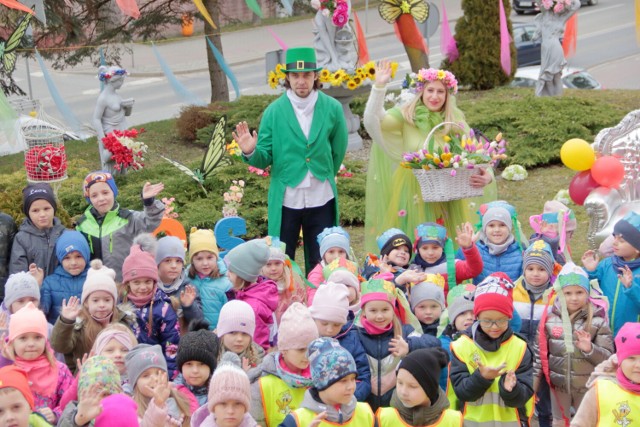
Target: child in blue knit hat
x,y
72,251
331,397
619,275
334,243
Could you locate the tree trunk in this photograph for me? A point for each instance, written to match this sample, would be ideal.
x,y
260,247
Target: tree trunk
x,y
219,87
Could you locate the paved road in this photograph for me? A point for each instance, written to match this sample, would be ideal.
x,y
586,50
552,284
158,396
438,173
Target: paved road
x,y
606,45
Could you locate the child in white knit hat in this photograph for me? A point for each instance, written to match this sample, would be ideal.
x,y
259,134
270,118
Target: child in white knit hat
x,y
236,326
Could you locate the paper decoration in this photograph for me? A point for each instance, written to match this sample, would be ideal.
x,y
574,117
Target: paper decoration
x,y
505,42
129,8
203,11
254,6
180,90
225,67
570,37
281,42
13,4
363,50
448,45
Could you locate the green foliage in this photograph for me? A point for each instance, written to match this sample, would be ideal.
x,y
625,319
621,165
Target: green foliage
x,y
478,39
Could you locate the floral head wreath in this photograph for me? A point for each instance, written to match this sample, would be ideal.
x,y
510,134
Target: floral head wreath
x,y
107,75
415,82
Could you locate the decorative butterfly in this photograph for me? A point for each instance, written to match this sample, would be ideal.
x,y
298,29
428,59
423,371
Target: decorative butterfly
x,y
391,10
213,158
8,47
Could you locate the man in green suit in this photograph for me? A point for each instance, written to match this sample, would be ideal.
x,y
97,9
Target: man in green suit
x,y
303,137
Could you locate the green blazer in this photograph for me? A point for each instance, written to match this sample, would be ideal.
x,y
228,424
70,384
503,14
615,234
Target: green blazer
x,y
283,146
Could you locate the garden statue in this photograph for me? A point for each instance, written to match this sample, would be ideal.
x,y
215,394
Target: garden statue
x,y
550,27
334,40
110,111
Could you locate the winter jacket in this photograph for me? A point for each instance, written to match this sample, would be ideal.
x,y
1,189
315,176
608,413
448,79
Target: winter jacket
x,y
349,339
334,416
508,262
468,267
32,245
569,372
200,394
8,232
203,418
37,420
529,311
69,338
164,327
57,287
65,379
173,290
382,363
262,296
212,293
110,237
624,303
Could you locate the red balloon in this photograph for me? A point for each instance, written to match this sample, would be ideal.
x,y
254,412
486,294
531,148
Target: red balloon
x,y
581,185
608,171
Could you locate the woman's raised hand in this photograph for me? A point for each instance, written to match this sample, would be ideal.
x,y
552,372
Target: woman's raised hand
x,y
383,72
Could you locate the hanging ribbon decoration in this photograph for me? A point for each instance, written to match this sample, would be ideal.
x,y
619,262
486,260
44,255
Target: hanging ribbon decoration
x,y
225,67
129,8
638,21
13,4
448,45
254,6
177,87
403,16
280,42
203,11
288,6
505,41
363,50
570,38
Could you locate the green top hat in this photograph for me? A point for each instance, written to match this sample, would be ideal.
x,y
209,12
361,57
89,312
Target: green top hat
x,y
301,59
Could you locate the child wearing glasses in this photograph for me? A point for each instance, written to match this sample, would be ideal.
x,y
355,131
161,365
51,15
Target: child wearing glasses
x,y
491,370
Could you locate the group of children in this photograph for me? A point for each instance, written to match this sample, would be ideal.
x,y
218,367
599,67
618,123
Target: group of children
x,y
107,323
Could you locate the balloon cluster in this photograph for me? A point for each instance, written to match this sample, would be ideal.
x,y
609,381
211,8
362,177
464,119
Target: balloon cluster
x,y
593,171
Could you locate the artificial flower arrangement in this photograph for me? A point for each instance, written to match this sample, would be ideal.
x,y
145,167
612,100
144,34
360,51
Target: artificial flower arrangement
x,y
108,75
362,76
459,151
337,10
556,6
46,162
234,150
127,151
233,198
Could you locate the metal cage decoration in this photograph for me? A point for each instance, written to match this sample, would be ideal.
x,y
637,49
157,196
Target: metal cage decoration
x,y
45,159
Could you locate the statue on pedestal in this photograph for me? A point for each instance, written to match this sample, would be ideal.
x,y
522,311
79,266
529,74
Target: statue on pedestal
x,y
334,40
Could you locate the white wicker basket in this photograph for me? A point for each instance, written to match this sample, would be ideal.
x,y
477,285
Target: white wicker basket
x,y
437,185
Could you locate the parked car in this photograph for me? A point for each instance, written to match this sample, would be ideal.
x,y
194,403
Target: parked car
x,y
524,6
527,49
572,78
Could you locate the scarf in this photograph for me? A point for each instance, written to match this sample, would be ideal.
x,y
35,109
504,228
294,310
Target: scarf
x,y
497,249
421,415
424,119
620,263
487,343
291,379
303,108
536,291
424,264
43,378
172,288
140,302
373,329
103,321
202,390
626,383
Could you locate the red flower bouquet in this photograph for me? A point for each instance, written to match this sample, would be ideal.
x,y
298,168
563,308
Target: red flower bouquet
x,y
127,151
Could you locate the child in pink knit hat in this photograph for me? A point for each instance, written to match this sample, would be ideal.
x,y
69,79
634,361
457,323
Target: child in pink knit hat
x,y
285,373
29,349
236,326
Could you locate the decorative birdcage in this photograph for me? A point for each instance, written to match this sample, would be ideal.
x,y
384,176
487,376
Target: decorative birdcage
x,y
45,159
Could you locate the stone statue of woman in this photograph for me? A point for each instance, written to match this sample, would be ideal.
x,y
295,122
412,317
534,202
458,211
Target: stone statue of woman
x,y
110,111
335,44
550,27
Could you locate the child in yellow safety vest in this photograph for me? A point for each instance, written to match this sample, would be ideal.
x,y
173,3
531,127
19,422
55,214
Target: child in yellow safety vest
x,y
491,370
285,374
418,399
613,398
331,399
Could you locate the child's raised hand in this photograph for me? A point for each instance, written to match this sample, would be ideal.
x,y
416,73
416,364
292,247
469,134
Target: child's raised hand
x,y
465,236
398,346
80,362
510,381
187,296
151,190
37,273
410,276
583,341
590,260
491,372
72,309
245,364
162,391
626,276
318,419
384,265
48,414
89,405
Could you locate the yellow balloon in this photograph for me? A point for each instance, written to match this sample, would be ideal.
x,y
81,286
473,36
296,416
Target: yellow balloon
x,y
577,154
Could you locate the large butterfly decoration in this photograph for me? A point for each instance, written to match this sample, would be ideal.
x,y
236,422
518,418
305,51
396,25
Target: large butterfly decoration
x,y
8,48
391,10
214,157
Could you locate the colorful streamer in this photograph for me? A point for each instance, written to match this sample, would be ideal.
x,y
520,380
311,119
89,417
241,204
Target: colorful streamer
x,y
448,45
203,11
569,41
281,42
225,67
638,21
129,8
38,7
288,6
13,4
254,6
180,90
505,42
62,106
409,34
363,50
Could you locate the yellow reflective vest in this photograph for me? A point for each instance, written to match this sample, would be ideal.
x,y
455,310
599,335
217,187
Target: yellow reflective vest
x,y
616,406
278,399
490,408
389,417
362,417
